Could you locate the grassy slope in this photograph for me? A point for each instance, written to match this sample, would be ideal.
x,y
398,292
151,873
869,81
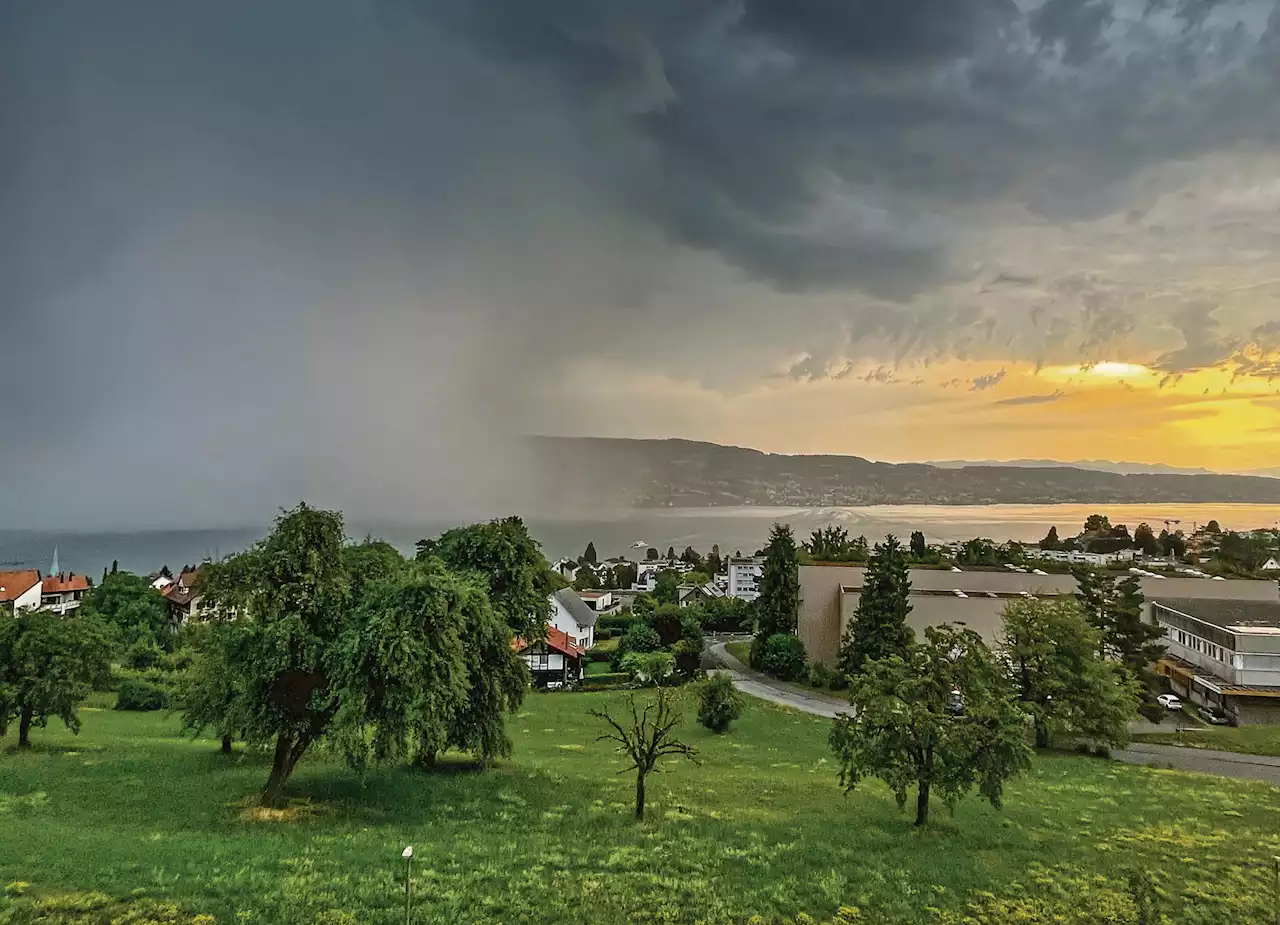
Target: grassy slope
x,y
740,650
1251,740
759,827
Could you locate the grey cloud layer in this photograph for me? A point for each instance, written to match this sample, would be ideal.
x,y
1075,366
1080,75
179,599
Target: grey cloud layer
x,y
330,247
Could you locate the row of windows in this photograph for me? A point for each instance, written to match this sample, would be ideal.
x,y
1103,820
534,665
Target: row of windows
x,y
1197,644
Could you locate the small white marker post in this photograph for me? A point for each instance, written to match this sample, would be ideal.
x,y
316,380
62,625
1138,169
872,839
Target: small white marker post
x,y
407,854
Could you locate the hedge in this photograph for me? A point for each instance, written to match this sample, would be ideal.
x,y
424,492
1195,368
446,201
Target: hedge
x,y
140,695
616,621
600,682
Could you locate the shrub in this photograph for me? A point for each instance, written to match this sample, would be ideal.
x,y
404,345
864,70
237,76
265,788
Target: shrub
x,y
719,704
602,682
616,623
639,637
594,656
143,654
782,655
140,695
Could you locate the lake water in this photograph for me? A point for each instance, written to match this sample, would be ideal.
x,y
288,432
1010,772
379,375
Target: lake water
x,y
733,528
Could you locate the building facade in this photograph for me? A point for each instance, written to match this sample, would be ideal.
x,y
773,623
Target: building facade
x,y
1223,654
744,578
20,590
63,593
829,596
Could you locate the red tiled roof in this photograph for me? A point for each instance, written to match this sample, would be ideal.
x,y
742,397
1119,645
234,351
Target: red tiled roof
x,y
556,639
64,583
15,584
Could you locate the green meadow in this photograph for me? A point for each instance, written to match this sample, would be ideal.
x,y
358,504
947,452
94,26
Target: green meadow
x,y
132,810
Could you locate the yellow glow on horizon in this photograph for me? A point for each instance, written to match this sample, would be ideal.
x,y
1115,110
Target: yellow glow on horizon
x,y
1108,369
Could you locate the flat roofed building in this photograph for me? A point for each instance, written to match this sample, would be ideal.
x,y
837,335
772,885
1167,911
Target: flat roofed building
x,y
1224,654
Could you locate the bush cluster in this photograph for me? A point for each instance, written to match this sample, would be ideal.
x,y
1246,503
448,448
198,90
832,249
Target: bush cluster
x,y
782,656
141,695
719,704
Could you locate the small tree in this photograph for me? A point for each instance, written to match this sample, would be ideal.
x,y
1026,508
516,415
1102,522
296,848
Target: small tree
x,y
651,554
879,627
1053,663
779,599
719,703
941,719
639,637
646,737
919,548
48,664
667,588
1051,540
782,656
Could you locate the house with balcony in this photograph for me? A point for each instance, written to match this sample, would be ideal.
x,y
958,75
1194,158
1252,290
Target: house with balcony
x,y
63,592
555,660
573,616
1223,654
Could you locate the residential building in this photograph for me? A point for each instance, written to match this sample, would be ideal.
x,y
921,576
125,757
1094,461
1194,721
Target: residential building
x,y
1223,654
1271,565
695,594
20,590
63,592
568,568
571,615
744,578
184,602
829,595
601,601
557,659
1075,557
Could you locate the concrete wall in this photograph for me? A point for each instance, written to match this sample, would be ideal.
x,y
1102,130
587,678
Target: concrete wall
x,y
1257,711
825,609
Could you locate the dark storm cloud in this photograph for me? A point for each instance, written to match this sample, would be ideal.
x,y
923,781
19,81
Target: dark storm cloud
x,y
251,251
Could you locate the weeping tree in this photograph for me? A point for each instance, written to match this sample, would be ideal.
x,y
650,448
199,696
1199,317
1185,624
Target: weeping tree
x,y
417,661
649,735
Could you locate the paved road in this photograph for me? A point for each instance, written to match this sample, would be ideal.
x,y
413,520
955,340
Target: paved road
x,y
757,685
1204,761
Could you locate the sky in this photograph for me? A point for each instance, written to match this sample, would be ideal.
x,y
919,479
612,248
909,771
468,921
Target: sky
x,y
347,250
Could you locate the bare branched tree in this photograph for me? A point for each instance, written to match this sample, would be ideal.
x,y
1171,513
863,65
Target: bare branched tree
x,y
645,738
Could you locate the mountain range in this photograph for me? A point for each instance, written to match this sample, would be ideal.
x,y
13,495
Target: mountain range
x,y
595,471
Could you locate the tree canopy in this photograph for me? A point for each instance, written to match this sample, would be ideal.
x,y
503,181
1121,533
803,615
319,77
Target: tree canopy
x,y
510,562
1052,652
135,611
779,599
48,664
941,719
879,626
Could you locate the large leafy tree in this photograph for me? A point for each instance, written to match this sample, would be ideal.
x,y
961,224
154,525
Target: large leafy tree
x,y
134,610
942,719
1052,657
829,544
511,564
667,587
48,664
1115,610
779,599
425,664
879,627
292,590
369,561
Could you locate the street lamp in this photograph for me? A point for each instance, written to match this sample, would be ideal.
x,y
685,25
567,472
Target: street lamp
x,y
407,854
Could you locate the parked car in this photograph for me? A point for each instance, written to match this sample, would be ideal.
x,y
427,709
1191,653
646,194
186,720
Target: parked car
x,y
1169,701
1213,717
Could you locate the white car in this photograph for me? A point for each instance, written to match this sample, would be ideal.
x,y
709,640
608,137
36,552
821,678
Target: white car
x,y
1169,702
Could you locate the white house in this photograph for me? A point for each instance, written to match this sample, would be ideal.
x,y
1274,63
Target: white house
x,y
1271,565
1075,557
20,590
557,659
744,578
571,616
568,568
63,592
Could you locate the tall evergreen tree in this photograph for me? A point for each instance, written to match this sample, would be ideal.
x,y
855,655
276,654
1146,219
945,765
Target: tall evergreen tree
x,y
919,548
589,556
779,599
879,627
714,565
671,554
1051,540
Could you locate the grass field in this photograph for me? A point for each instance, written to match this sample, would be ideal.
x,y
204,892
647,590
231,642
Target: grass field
x,y
740,650
759,828
1251,740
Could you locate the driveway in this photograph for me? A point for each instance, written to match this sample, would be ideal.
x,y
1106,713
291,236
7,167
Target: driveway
x,y
1200,760
786,695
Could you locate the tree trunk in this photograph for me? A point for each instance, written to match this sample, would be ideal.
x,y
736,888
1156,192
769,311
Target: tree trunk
x,y
226,745
1042,735
922,804
286,757
639,794
24,728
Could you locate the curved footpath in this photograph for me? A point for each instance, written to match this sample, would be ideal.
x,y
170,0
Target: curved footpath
x,y
1201,760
